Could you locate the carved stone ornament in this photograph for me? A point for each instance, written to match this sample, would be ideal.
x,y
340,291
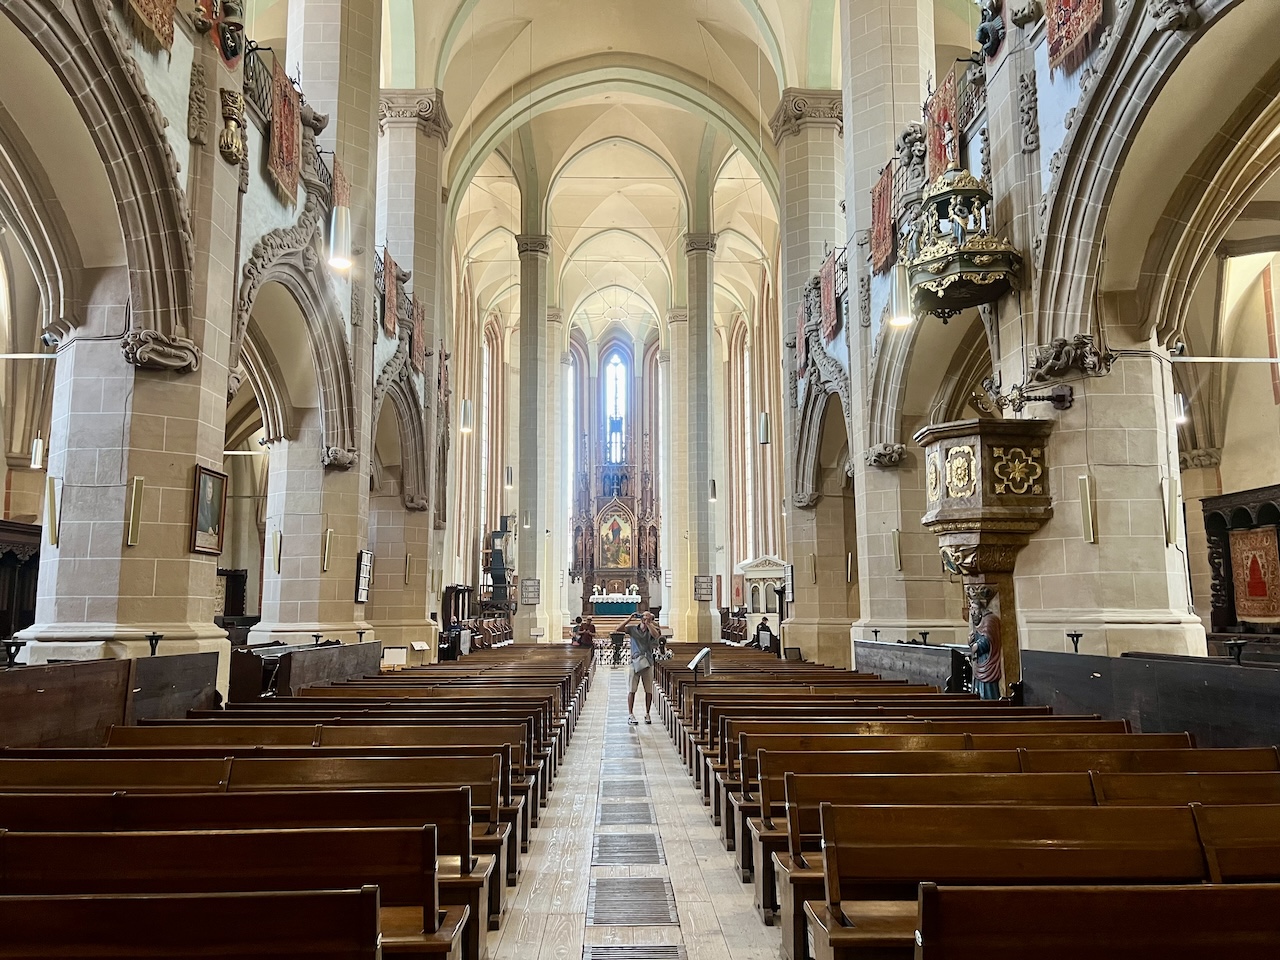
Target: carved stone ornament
x,y
803,108
700,243
805,500
153,350
864,301
912,151
885,454
533,244
985,135
961,472
1200,459
1025,13
971,560
423,107
336,458
991,30
1017,470
231,143
1062,357
198,105
1029,111
1174,14
933,479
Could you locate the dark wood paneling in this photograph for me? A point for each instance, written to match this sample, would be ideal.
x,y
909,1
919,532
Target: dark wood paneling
x,y
165,688
896,661
305,668
62,705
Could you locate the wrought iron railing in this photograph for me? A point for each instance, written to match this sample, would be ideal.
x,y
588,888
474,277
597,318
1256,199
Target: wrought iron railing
x,y
257,82
842,272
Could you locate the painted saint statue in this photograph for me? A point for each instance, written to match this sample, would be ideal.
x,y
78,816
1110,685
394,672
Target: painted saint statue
x,y
984,643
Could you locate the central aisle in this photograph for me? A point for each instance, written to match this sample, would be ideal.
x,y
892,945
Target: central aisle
x,y
620,789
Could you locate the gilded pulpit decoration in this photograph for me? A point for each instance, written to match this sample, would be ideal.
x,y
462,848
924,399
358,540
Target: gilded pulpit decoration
x,y
933,478
1017,470
961,475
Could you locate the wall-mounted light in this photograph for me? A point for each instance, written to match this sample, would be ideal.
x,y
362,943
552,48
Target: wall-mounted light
x,y
37,452
763,428
324,556
510,478
277,547
900,301
136,486
1179,408
408,566
525,523
340,238
711,498
465,417
51,509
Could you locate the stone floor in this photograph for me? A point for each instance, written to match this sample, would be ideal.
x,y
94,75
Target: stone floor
x,y
612,765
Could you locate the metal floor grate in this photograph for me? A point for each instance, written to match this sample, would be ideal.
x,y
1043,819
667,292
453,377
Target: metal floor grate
x,y
622,751
625,814
620,789
630,902
622,768
626,849
635,952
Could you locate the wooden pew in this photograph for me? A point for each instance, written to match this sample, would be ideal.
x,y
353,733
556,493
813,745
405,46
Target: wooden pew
x,y
875,857
459,869
315,925
401,861
1100,922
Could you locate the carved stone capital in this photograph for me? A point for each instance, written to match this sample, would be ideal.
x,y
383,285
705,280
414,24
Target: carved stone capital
x,y
805,500
1062,357
413,501
803,108
1025,13
677,316
153,350
1200,459
1174,14
700,243
973,559
422,107
533,245
336,458
885,454
555,315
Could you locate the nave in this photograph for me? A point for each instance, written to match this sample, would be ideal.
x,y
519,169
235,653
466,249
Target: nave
x,y
614,771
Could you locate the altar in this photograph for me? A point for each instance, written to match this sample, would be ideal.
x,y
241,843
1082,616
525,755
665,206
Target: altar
x,y
614,604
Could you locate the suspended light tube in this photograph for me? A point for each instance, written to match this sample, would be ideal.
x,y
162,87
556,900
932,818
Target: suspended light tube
x,y
712,485
763,428
1179,408
510,478
900,302
37,453
340,238
465,426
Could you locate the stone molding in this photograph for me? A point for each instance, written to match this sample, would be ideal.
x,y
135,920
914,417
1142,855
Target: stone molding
x,y
424,107
700,243
533,245
885,455
800,108
84,45
1200,459
198,105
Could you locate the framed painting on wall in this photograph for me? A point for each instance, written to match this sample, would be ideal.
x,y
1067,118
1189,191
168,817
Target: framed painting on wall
x,y
208,510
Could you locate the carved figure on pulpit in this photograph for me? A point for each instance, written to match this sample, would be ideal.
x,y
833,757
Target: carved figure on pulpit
x,y
984,642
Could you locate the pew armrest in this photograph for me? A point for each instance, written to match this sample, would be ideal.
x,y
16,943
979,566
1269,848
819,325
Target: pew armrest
x,y
402,931
860,925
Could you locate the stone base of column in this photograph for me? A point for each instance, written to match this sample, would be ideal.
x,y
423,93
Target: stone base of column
x,y
114,641
1109,633
700,625
303,633
403,633
820,640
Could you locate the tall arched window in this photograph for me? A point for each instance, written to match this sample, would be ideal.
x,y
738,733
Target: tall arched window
x,y
615,392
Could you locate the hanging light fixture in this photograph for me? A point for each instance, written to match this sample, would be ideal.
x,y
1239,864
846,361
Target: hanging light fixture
x,y
900,301
340,221
763,428
1179,413
37,452
712,497
465,426
510,478
526,520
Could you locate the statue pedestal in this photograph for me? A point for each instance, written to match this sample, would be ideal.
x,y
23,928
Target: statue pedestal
x,y
987,484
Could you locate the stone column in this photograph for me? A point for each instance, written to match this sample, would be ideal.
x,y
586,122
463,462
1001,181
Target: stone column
x,y
664,459
554,491
888,55
701,623
314,489
532,521
414,131
808,130
676,514
150,413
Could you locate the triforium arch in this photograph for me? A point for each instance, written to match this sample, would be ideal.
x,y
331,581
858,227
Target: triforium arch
x,y
93,60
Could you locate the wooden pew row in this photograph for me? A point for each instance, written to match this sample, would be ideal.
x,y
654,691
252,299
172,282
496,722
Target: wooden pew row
x,y
798,873
875,858
400,861
1122,922
462,872
317,925
724,775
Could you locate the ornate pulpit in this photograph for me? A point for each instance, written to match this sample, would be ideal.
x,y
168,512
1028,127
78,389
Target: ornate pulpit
x,y
987,483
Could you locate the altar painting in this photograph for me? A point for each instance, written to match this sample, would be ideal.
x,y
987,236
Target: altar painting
x,y
615,540
1255,567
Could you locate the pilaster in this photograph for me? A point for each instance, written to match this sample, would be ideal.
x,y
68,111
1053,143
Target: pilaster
x,y
533,520
701,621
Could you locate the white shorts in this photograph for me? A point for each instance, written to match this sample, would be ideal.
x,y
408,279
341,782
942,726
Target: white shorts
x,y
645,676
